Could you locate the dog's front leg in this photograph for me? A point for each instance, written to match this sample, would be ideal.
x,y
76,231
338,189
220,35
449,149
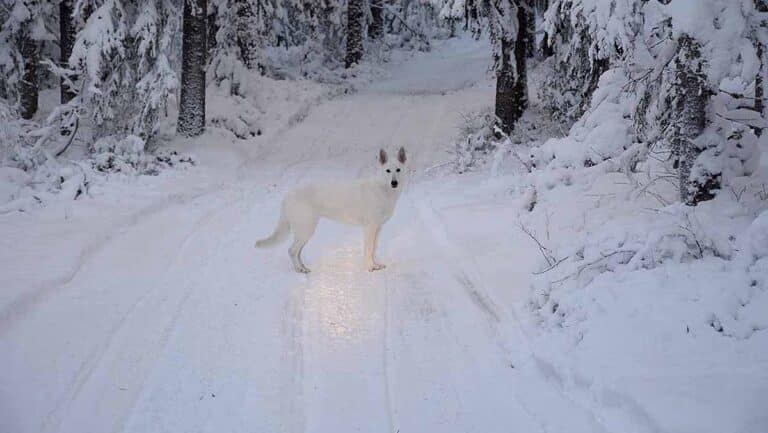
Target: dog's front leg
x,y
371,236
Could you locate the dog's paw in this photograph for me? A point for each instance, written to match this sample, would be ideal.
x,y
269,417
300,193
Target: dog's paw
x,y
375,267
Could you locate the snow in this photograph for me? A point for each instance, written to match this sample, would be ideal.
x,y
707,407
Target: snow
x,y
145,308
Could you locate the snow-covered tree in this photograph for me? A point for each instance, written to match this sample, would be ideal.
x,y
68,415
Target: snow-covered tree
x,y
242,30
376,28
192,104
510,33
22,31
583,49
67,34
122,61
690,96
692,86
355,17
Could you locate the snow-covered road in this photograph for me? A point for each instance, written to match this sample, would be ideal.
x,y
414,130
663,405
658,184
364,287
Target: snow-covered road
x,y
156,314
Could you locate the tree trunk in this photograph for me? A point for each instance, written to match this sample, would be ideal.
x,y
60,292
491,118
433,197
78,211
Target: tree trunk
x,y
66,42
599,66
471,18
690,105
512,80
247,39
355,15
759,93
546,47
192,104
212,28
28,89
530,26
761,6
376,29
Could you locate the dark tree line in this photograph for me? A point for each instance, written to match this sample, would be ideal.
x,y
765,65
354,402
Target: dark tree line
x,y
678,97
198,39
681,96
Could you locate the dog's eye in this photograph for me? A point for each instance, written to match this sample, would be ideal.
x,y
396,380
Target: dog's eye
x,y
389,171
398,170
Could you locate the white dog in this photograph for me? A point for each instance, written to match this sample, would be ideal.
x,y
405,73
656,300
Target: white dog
x,y
366,202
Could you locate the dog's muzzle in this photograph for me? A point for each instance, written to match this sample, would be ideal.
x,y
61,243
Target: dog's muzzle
x,y
394,184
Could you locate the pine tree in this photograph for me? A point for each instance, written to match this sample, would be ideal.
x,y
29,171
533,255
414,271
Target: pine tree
x,y
121,61
247,35
582,51
472,18
376,29
530,29
29,49
762,7
691,97
355,16
192,104
66,42
29,87
510,33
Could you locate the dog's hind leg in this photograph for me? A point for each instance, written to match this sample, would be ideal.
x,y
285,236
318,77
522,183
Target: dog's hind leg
x,y
294,252
371,236
303,229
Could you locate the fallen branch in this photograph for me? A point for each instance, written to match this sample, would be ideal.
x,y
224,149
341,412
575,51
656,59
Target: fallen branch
x,y
551,260
549,268
602,257
436,166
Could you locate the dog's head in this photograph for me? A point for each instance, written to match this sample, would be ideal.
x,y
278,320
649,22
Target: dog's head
x,y
392,171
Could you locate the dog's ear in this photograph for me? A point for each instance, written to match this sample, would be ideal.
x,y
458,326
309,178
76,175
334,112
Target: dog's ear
x,y
382,156
401,155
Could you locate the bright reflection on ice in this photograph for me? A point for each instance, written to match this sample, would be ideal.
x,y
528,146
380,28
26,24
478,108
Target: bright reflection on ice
x,y
340,293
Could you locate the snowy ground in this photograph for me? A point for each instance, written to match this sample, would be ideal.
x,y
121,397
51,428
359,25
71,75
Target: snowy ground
x,y
147,309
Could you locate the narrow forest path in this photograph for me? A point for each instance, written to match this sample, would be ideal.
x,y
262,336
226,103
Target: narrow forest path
x,y
177,324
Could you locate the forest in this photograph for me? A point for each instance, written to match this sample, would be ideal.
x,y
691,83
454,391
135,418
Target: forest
x,y
581,245
118,65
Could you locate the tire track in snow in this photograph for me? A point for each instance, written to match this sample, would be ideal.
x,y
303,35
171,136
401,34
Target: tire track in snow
x,y
19,307
579,417
448,375
224,363
117,335
299,326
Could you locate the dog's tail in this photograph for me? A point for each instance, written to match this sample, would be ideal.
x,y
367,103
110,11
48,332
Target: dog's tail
x,y
281,231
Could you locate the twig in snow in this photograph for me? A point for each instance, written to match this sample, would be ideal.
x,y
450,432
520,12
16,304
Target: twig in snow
x,y
551,260
602,257
436,166
737,195
549,268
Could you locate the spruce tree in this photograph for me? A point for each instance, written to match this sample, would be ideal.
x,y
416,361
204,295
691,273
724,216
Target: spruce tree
x,y
29,87
192,104
376,29
355,16
511,53
691,97
67,33
247,35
